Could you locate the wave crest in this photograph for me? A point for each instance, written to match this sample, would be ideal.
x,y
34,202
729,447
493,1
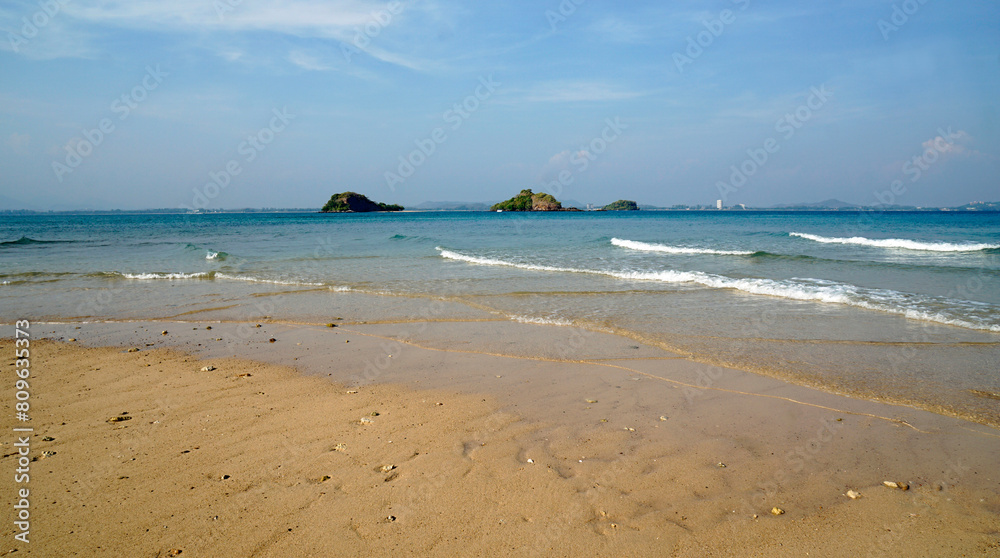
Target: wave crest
x,y
648,247
899,243
966,314
26,241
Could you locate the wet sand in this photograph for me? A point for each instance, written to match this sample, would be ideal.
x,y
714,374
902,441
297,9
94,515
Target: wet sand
x,y
471,438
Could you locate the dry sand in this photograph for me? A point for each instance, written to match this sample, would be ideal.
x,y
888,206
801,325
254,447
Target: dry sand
x,y
511,454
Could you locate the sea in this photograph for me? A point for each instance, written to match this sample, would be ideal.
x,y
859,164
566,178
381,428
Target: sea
x,y
902,307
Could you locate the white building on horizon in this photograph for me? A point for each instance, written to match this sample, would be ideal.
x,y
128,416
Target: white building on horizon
x,y
718,204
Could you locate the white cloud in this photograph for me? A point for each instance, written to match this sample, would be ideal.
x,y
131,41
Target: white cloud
x,y
231,55
298,17
618,30
308,62
578,91
952,143
18,142
76,30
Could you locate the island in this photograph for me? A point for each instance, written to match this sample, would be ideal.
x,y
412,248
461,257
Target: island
x,y
352,202
530,201
621,205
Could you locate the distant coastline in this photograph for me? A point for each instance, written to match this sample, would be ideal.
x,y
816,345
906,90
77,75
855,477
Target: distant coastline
x,y
822,207
176,211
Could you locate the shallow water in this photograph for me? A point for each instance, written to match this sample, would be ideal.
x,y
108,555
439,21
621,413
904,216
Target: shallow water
x,y
894,306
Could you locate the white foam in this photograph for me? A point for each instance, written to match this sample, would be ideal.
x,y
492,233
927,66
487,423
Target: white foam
x,y
804,289
251,279
541,321
490,261
647,247
211,255
899,243
169,276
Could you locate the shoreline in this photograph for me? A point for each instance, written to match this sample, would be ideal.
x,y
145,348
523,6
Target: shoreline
x,y
468,310
623,441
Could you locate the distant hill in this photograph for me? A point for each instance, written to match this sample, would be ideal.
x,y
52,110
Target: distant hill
x,y
352,202
978,206
530,201
621,205
825,204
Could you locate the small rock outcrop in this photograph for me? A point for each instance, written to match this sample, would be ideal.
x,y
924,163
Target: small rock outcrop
x,y
529,201
621,205
352,202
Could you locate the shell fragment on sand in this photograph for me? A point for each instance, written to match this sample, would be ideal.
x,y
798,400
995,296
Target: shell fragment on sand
x,y
853,495
777,511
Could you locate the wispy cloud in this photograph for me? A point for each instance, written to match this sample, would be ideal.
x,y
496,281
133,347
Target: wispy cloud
x,y
620,30
18,142
308,61
78,29
577,91
954,144
313,18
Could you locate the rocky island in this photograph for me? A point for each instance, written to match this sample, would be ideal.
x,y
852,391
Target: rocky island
x,y
352,202
621,205
530,201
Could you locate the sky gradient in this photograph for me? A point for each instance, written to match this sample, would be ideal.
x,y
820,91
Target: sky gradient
x,y
256,103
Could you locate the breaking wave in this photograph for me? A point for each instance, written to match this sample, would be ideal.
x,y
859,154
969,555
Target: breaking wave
x,y
900,243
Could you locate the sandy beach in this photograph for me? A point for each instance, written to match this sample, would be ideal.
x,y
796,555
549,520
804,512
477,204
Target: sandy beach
x,y
379,278
480,438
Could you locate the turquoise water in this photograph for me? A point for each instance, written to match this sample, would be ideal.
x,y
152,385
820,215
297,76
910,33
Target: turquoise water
x,y
900,306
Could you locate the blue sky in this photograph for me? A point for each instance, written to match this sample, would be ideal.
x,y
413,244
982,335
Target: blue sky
x,y
257,103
